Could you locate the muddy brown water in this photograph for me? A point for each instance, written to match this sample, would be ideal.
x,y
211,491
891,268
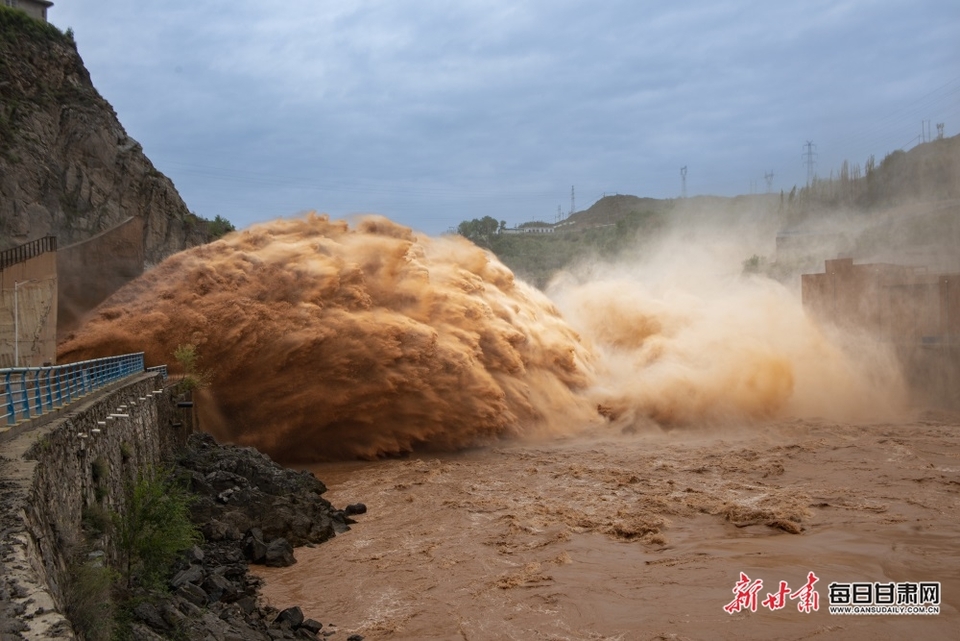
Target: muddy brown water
x,y
640,536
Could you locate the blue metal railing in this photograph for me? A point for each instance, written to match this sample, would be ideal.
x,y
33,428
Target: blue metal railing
x,y
28,392
160,369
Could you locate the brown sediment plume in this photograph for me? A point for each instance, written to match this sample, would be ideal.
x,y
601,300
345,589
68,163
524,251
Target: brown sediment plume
x,y
325,341
681,341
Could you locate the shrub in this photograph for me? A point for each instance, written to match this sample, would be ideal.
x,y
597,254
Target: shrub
x,y
96,520
153,528
193,378
219,227
88,601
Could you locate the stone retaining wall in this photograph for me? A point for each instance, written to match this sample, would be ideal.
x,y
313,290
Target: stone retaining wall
x,y
50,473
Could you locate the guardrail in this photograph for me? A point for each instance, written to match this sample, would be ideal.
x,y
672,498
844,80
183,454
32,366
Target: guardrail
x,y
26,251
29,392
160,369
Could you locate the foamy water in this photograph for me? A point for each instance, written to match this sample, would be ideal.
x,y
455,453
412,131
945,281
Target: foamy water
x,y
326,341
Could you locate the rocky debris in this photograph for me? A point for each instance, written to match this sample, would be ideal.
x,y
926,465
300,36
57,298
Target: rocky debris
x,y
355,508
252,511
242,491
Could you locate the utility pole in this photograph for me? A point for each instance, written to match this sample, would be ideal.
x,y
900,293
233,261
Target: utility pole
x,y
16,320
810,157
769,178
683,181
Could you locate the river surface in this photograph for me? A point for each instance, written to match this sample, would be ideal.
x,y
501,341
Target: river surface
x,y
642,536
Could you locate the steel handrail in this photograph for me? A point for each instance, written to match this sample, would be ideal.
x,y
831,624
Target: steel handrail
x,y
29,392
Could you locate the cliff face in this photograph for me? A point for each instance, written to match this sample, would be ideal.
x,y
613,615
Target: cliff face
x,y
67,167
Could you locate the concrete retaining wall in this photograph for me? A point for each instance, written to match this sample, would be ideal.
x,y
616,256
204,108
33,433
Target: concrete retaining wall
x,y
93,269
47,479
36,304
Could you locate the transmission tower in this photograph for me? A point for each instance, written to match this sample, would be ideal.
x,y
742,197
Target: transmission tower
x,y
572,201
559,215
769,178
683,181
939,131
810,157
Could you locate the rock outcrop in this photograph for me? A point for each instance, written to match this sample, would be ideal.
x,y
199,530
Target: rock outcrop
x,y
67,167
250,510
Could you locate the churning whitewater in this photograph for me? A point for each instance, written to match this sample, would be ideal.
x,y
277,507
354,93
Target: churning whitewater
x,y
326,341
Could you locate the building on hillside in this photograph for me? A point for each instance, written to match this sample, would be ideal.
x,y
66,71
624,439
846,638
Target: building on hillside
x,y
28,304
530,228
33,8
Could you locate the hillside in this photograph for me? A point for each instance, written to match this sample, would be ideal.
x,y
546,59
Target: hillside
x,y
904,210
620,224
67,166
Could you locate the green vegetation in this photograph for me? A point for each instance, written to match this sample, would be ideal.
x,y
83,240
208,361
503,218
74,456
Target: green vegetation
x,y
925,173
480,231
153,529
14,23
219,227
96,520
149,533
88,600
193,377
537,257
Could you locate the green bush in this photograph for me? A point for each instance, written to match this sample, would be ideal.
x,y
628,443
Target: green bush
x,y
219,227
96,520
193,378
88,601
14,22
153,529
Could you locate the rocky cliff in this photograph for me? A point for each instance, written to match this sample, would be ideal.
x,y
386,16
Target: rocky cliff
x,y
67,167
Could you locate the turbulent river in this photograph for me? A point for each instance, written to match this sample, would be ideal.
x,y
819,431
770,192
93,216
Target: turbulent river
x,y
641,536
609,455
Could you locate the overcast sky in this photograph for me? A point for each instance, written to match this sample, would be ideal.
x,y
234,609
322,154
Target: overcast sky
x,y
431,112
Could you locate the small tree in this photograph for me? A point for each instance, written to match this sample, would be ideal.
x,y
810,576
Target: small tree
x,y
193,378
220,226
153,528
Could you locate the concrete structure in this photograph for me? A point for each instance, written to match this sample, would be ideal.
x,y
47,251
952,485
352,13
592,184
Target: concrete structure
x,y
28,304
49,479
530,228
33,8
91,270
914,311
892,302
52,289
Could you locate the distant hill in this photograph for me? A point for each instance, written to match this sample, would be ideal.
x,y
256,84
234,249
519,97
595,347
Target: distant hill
x,y
904,210
614,225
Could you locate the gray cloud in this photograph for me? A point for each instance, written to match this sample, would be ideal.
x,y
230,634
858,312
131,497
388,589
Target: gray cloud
x,y
432,112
